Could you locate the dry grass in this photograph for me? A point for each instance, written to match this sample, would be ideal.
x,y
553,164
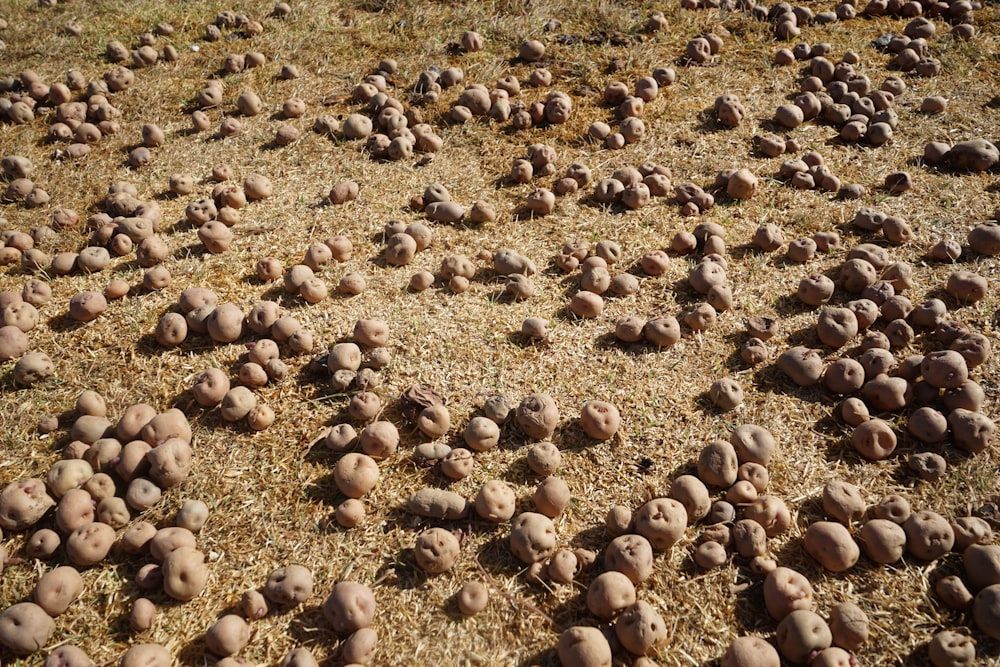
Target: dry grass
x,y
272,493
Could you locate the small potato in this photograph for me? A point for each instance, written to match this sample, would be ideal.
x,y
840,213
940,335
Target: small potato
x,y
584,646
349,607
289,585
472,598
801,634
57,589
228,635
786,590
600,420
436,550
831,545
25,628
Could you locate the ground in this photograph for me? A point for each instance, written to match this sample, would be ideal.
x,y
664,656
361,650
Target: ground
x,y
272,494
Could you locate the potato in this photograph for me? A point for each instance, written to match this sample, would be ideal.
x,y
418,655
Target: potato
x,y
436,550
632,555
748,651
953,593
982,565
551,496
227,636
948,648
831,545
42,544
609,594
169,463
786,590
802,365
360,647
237,404
23,503
800,634
68,474
971,530
874,439
718,464
986,610
532,537
75,509
692,493
661,521
472,598
843,502
349,607
184,573
90,543
770,512
378,440
848,626
133,420
640,628
32,368
68,655
136,538
289,585
599,419
170,539
57,589
972,431
142,615
25,628
146,655
496,501
538,416
929,536
753,444
355,474
584,647
299,657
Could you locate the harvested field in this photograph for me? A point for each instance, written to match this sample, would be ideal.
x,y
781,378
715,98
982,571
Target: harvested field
x,y
273,492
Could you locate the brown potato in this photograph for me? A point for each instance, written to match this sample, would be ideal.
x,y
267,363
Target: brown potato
x,y
749,651
661,521
227,636
436,550
349,607
640,628
929,536
831,545
289,585
25,628
609,594
57,589
584,646
801,634
786,590
532,537
599,419
496,501
184,573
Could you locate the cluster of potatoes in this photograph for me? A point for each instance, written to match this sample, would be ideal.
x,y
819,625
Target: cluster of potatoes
x,y
972,155
20,188
108,473
349,608
305,279
240,25
885,531
437,204
612,597
634,187
145,54
629,105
